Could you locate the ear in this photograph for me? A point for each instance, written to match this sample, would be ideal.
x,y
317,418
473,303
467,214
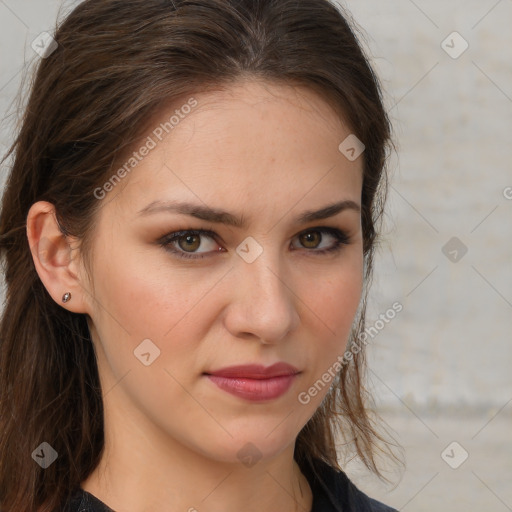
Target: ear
x,y
58,266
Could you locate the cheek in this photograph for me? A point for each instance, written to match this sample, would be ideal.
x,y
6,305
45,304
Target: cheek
x,y
332,304
142,299
335,299
336,302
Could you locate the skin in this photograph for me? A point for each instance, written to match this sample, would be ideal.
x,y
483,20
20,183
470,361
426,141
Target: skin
x,y
269,152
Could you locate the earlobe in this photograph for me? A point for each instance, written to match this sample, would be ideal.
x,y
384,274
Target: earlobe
x,y
53,258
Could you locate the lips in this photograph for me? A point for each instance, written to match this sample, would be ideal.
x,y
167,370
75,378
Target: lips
x,y
255,382
254,371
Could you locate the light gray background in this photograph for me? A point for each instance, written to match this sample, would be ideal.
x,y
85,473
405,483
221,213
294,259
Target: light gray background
x,y
441,369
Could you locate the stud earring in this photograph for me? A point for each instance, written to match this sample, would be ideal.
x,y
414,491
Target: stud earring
x,y
66,297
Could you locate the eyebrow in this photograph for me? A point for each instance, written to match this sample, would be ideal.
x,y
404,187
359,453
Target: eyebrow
x,y
222,217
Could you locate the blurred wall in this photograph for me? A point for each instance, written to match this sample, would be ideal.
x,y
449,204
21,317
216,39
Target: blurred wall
x,y
447,251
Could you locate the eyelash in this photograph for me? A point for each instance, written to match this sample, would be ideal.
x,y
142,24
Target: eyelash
x,y
341,238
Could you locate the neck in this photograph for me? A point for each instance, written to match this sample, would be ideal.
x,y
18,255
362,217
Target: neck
x,y
145,469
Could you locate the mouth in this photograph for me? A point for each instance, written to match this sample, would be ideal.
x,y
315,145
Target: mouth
x,y
255,382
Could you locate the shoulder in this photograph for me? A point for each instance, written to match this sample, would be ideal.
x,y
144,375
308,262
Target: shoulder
x,y
333,491
82,501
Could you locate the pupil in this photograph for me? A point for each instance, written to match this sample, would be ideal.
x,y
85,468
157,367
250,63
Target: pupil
x,y
189,240
310,237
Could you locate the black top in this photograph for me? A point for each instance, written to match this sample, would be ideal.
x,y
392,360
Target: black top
x,y
332,492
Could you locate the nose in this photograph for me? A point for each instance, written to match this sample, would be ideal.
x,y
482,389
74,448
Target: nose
x,y
263,303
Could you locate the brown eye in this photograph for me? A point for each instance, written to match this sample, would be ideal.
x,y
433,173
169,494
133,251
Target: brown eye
x,y
190,242
311,239
186,244
322,240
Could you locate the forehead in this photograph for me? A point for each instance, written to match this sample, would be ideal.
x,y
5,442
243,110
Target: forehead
x,y
246,143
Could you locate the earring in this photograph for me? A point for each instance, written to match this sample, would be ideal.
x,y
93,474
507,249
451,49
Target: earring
x,y
66,297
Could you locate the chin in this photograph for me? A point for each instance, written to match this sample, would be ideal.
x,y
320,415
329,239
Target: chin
x,y
249,447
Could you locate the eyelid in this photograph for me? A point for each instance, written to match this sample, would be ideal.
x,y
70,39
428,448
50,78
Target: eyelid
x,y
168,239
341,237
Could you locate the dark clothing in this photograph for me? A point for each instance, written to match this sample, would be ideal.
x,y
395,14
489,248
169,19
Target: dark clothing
x,y
332,492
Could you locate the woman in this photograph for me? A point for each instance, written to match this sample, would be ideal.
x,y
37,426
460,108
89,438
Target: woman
x,y
187,232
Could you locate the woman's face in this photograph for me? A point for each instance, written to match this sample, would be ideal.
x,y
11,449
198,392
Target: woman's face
x,y
166,312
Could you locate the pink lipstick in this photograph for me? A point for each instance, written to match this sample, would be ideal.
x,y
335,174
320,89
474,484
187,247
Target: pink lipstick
x,y
255,382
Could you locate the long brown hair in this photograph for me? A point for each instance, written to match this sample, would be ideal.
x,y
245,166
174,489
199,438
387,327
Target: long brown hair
x,y
117,62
